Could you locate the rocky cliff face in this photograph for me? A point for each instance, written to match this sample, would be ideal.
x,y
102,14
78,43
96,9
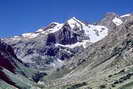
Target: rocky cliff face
x,y
6,62
106,64
51,45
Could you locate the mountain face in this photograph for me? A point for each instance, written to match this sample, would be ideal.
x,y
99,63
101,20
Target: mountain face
x,y
106,64
78,55
6,62
51,45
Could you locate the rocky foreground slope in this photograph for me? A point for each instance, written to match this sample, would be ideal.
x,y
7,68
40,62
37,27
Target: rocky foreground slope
x,y
14,74
78,55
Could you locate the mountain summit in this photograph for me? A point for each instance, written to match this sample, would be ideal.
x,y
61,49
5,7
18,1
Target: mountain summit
x,y
58,40
78,55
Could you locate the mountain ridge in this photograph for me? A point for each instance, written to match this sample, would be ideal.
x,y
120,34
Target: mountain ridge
x,y
78,55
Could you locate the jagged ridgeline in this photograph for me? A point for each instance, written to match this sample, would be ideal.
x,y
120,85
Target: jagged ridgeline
x,y
74,55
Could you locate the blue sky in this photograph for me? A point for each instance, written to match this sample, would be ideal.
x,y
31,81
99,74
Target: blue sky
x,y
20,16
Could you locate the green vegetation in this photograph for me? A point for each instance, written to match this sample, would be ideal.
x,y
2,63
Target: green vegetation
x,y
58,73
75,86
127,86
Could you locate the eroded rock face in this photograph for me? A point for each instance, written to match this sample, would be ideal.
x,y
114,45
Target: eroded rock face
x,y
61,41
56,42
6,57
109,56
11,68
87,49
7,62
113,53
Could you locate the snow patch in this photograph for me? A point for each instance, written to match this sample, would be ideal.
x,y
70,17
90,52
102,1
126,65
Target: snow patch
x,y
51,30
30,35
117,21
84,43
41,83
56,28
57,63
95,32
39,30
126,15
15,38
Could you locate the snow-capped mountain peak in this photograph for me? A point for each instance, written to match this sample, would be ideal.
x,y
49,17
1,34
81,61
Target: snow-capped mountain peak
x,y
62,40
53,27
74,22
78,32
